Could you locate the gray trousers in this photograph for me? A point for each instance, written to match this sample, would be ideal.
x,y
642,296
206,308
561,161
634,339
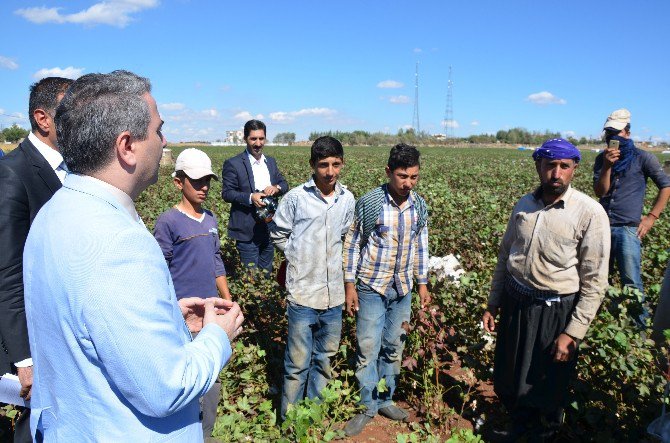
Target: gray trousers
x,y
208,404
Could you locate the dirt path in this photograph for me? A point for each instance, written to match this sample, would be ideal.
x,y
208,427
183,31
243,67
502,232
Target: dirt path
x,y
487,412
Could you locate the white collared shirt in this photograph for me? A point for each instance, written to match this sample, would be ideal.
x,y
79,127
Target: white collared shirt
x,y
52,156
261,172
309,228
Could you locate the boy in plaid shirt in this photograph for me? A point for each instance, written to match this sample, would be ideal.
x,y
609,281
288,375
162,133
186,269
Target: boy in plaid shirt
x,y
385,247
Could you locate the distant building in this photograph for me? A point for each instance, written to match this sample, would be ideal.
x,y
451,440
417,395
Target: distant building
x,y
233,138
440,137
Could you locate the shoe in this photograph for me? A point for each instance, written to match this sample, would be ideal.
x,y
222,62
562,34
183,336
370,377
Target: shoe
x,y
505,436
393,412
356,424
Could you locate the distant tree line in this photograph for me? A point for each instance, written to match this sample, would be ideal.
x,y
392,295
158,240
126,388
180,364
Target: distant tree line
x,y
518,136
13,133
524,137
284,138
377,138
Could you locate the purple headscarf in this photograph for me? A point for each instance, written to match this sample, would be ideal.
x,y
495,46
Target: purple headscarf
x,y
557,149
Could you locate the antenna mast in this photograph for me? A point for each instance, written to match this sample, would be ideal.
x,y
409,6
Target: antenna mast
x,y
449,122
415,117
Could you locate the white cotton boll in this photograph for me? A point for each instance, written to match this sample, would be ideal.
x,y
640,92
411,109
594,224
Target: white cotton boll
x,y
446,268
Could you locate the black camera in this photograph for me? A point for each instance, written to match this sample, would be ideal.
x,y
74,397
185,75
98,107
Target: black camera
x,y
265,213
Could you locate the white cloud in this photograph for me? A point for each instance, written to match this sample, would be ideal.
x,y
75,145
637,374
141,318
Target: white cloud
x,y
474,123
12,115
315,111
280,117
8,63
390,84
567,134
172,107
418,50
450,124
399,99
112,12
545,98
246,116
406,127
285,117
210,112
69,72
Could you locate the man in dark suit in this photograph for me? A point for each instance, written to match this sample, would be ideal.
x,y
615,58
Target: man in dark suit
x,y
29,176
246,179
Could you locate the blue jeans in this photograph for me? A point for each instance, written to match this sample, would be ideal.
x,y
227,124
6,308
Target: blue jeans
x,y
381,340
258,252
627,252
313,338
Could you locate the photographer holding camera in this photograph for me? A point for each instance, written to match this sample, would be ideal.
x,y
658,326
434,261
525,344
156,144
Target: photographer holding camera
x,y
250,182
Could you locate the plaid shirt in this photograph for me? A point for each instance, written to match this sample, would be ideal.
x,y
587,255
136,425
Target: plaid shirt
x,y
392,253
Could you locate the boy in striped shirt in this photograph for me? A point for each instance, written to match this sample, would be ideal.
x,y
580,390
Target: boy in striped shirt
x,y
385,247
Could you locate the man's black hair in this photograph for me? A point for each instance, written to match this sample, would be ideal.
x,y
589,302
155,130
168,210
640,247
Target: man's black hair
x,y
44,95
324,147
403,156
253,125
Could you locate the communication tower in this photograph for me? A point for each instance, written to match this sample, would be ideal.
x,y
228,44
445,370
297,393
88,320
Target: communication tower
x,y
449,122
415,117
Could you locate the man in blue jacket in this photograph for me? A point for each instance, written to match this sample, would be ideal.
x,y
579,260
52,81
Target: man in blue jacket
x,y
114,359
246,179
620,176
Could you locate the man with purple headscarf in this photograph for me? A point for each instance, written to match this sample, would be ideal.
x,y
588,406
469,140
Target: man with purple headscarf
x,y
548,284
620,181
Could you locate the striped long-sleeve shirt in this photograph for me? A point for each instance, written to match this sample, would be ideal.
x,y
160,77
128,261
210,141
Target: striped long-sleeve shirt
x,y
393,253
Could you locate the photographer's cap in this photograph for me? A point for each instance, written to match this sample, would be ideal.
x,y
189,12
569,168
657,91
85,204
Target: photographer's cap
x,y
195,164
618,119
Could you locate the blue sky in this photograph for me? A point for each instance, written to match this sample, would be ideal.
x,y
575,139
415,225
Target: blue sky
x,y
313,66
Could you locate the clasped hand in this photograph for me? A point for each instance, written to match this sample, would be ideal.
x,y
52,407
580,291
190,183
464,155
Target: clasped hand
x,y
199,312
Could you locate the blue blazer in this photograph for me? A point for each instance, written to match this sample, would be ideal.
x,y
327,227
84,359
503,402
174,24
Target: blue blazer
x,y
237,181
114,360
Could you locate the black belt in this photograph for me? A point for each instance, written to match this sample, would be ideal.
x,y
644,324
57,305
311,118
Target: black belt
x,y
629,224
517,288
